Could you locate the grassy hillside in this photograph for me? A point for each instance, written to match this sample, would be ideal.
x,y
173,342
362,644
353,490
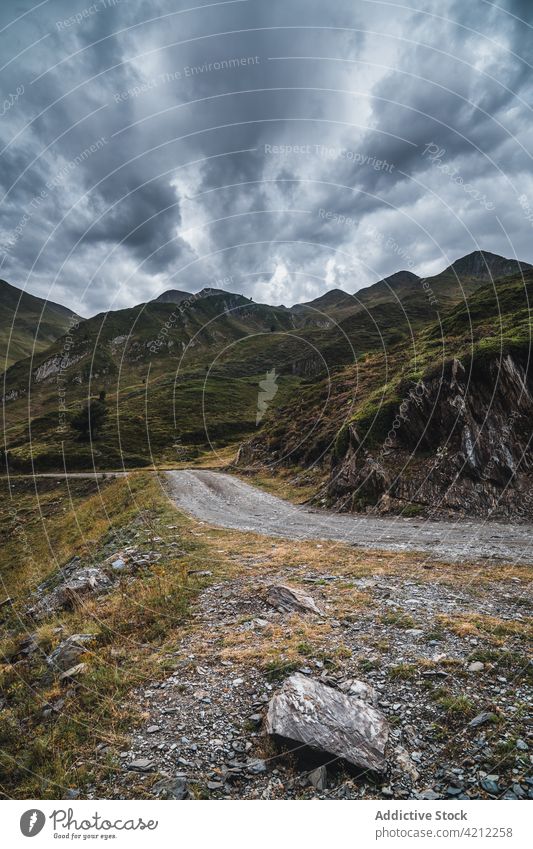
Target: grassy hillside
x,y
47,739
175,378
28,324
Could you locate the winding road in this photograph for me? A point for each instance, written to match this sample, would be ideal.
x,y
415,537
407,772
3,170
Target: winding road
x,y
228,502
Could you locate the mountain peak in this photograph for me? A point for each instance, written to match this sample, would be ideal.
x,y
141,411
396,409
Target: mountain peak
x,y
399,279
484,265
177,296
332,297
172,296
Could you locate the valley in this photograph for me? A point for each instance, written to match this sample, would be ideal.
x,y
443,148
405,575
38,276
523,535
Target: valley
x,y
208,501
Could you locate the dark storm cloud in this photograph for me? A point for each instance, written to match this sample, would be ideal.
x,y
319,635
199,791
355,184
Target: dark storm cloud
x,y
153,146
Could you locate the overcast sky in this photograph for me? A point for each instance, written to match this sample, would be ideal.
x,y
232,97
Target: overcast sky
x,y
293,146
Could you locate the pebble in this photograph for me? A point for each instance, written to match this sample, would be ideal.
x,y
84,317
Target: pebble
x,y
141,765
319,778
482,719
256,766
491,784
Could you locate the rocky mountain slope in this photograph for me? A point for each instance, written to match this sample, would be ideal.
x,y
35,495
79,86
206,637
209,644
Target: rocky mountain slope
x,y
442,423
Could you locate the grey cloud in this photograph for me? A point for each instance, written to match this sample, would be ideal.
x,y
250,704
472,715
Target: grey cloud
x,y
125,202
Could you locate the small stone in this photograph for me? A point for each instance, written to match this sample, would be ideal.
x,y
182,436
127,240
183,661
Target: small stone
x,y
476,666
482,719
68,651
491,784
522,745
363,691
175,788
73,672
286,599
140,765
453,791
256,766
405,763
153,729
319,778
201,695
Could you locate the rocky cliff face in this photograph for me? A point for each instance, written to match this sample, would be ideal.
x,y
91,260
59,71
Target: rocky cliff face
x,y
460,441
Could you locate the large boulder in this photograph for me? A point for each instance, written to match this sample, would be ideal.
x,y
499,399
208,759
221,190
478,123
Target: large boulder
x,y
309,713
286,599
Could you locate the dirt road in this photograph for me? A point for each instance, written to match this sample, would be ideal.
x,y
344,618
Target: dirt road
x,y
230,503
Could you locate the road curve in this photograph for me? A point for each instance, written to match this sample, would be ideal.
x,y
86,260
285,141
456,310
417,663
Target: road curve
x,y
228,502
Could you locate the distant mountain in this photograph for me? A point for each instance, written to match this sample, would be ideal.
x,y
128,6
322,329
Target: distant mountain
x,y
172,296
486,266
176,296
28,323
333,298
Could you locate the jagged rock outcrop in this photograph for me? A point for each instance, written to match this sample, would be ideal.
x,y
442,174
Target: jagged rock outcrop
x,y
67,587
459,440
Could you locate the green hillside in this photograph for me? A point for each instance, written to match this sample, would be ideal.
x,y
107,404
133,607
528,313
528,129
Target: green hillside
x,y
28,324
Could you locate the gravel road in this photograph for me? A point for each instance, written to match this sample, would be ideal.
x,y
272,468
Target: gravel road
x,y
228,502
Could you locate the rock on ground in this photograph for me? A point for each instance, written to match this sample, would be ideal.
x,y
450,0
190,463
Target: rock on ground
x,y
73,583
286,598
67,652
307,712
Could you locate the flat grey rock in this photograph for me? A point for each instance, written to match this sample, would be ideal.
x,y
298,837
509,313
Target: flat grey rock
x,y
319,778
482,719
67,652
140,765
287,598
310,713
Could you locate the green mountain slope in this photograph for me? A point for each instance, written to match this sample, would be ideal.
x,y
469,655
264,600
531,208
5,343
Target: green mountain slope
x,y
28,323
172,376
